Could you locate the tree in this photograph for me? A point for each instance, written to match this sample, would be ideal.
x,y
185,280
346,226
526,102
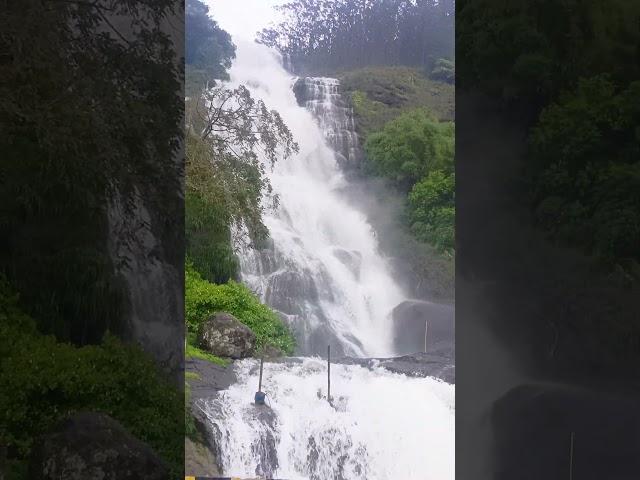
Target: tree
x,y
208,49
334,34
90,110
232,139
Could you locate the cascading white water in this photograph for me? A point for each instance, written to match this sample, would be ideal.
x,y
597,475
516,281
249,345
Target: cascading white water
x,y
323,271
384,425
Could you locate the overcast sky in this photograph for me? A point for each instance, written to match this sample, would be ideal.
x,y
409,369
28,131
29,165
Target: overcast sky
x,y
243,18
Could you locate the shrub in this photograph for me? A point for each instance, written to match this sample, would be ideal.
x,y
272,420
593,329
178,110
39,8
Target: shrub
x,y
42,381
203,299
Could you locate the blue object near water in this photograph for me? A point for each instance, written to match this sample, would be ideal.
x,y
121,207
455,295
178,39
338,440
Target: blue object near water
x,y
259,399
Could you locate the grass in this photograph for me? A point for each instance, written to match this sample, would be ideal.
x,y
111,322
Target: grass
x,y
380,94
191,376
195,352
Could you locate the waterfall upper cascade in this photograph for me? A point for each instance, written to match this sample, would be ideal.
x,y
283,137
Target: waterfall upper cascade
x,y
323,272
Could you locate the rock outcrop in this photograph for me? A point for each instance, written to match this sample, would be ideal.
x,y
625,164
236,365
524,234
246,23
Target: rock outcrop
x,y
412,317
224,335
199,459
92,445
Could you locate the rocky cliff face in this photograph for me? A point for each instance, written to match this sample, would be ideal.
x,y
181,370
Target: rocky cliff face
x,y
145,244
336,119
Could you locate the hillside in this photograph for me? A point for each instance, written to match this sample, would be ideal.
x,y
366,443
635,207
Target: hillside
x,y
380,94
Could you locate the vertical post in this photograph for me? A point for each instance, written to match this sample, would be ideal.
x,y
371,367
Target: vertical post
x,y
571,458
329,373
426,324
260,381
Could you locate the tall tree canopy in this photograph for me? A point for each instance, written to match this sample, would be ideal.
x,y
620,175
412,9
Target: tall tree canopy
x,y
231,139
90,106
568,71
334,34
208,49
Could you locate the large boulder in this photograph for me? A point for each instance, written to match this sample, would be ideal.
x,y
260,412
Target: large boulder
x,y
410,318
224,335
92,445
199,459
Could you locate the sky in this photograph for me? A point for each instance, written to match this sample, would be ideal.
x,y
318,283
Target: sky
x,y
243,18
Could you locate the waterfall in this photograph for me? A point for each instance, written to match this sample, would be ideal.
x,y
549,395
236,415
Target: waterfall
x,y
323,272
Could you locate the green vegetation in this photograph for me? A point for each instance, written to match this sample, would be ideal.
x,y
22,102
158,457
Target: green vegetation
x,y
380,94
444,70
582,124
203,299
78,136
325,35
585,168
195,352
432,210
415,152
43,380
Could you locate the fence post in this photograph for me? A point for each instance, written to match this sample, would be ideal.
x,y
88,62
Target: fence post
x,y
329,373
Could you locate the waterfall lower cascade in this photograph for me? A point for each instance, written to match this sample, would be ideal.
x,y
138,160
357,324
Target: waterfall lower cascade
x,y
323,272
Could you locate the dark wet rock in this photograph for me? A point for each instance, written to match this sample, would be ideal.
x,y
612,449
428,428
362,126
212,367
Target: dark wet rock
x,y
199,459
202,454
224,335
91,445
287,289
532,426
313,339
351,259
270,352
265,450
414,365
210,377
409,320
300,91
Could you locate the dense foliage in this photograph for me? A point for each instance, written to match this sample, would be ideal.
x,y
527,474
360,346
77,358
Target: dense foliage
x,y
86,112
208,49
203,298
43,380
416,152
585,168
338,34
380,94
226,185
568,71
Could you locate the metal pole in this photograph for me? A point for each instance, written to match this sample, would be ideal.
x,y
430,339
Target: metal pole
x,y
329,373
571,458
426,324
260,381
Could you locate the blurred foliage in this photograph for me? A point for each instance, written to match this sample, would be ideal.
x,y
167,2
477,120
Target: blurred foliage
x,y
202,299
42,381
86,115
585,168
91,116
568,72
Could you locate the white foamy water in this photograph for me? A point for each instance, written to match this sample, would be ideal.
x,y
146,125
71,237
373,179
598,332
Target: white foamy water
x,y
384,426
323,271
